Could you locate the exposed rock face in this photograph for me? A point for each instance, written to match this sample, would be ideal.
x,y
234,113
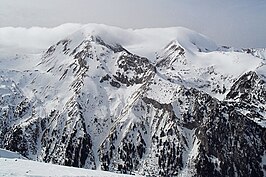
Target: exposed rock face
x,y
96,105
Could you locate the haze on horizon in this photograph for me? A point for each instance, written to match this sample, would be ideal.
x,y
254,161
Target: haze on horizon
x,y
239,23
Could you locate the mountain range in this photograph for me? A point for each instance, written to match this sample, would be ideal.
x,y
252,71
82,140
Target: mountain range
x,y
157,102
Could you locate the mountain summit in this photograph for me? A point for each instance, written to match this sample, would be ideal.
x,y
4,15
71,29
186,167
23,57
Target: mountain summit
x,y
159,102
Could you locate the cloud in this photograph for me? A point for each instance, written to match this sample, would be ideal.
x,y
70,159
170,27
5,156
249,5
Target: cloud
x,y
34,39
239,23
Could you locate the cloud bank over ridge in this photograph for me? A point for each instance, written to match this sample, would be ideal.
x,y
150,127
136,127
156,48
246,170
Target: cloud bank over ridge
x,y
239,23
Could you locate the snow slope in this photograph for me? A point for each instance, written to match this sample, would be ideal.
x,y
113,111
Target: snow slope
x,y
11,155
13,164
18,167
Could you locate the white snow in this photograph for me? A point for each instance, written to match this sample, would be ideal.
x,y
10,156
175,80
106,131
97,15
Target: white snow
x,y
13,164
9,154
190,154
18,167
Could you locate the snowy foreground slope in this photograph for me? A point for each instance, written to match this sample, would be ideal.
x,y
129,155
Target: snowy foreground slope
x,y
162,102
11,155
11,164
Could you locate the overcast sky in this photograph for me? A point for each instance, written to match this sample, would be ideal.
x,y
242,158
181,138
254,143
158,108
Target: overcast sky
x,y
239,23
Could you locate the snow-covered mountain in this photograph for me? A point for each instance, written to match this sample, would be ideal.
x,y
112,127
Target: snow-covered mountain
x,y
159,102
